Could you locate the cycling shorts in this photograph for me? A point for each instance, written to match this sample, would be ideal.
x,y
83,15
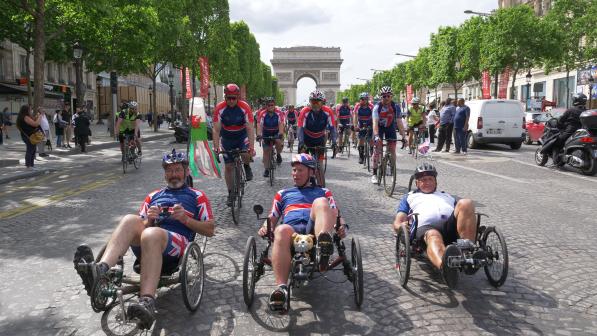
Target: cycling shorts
x,y
387,133
234,143
121,135
267,143
417,125
175,248
303,228
447,230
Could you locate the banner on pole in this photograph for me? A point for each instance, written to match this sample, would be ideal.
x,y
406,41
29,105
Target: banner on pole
x,y
188,83
503,88
486,85
409,93
204,68
202,159
243,92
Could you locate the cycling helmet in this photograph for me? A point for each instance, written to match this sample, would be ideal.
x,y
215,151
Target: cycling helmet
x,y
415,100
385,90
290,106
175,157
124,106
345,99
232,90
579,99
133,104
317,95
304,159
269,99
364,95
425,169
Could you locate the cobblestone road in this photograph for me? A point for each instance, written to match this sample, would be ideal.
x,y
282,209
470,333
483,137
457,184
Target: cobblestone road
x,y
547,216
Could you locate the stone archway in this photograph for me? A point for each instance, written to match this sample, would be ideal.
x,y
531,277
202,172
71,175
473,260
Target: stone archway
x,y
319,63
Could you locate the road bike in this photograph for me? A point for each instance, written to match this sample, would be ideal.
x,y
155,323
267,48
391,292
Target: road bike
x,y
317,152
386,171
344,139
291,136
238,183
272,159
131,153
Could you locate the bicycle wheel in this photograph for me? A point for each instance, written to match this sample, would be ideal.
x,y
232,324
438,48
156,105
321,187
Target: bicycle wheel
x,y
357,271
271,169
325,160
389,176
403,254
494,244
347,146
192,277
249,271
368,157
137,160
235,208
381,170
125,161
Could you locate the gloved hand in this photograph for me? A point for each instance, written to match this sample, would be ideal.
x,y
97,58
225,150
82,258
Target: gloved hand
x,y
376,138
259,137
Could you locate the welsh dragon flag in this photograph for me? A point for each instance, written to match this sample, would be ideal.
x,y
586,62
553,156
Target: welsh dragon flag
x,y
201,155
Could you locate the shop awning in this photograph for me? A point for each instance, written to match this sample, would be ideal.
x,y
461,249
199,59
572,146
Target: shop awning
x,y
21,89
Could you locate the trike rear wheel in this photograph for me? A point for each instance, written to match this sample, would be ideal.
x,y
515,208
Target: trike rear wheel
x,y
357,271
494,244
192,276
249,271
403,254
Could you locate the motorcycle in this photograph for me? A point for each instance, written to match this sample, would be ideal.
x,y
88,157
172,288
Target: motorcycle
x,y
181,133
580,149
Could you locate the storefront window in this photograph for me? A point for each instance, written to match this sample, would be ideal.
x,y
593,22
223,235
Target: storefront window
x,y
560,90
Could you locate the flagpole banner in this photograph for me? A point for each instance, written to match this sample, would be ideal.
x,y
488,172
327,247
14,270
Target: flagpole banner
x,y
409,93
202,158
188,83
204,68
243,92
504,80
486,85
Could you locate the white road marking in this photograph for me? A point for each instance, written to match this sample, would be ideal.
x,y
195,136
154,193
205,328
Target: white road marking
x,y
486,173
571,174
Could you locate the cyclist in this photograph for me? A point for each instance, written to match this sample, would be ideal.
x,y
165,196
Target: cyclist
x,y
313,121
291,117
233,121
362,120
161,245
271,124
129,124
306,209
442,220
416,117
384,116
344,115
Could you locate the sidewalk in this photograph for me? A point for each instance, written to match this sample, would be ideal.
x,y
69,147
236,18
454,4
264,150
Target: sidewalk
x,y
12,153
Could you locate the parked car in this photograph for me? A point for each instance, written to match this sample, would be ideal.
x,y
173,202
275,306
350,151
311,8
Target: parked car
x,y
535,123
496,121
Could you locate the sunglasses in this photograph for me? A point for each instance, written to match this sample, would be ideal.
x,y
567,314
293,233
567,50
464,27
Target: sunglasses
x,y
271,105
386,96
315,101
231,98
364,99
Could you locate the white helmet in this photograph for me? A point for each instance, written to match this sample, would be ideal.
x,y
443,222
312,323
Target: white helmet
x,y
385,90
415,100
317,95
133,104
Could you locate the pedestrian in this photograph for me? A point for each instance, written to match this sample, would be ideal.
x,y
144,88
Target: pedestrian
x,y
28,125
446,124
2,128
432,119
160,120
72,125
82,130
149,119
461,126
66,116
6,115
45,127
59,124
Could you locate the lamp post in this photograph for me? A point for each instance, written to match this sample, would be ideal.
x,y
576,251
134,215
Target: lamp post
x,y
591,81
405,55
468,11
171,83
77,55
98,82
150,105
528,77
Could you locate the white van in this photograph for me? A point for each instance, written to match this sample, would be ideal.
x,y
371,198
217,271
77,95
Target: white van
x,y
498,121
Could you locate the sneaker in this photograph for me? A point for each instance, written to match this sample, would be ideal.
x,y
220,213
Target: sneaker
x,y
43,155
143,312
361,160
456,153
277,299
374,179
465,244
248,173
86,267
139,153
464,153
266,173
325,248
450,274
279,158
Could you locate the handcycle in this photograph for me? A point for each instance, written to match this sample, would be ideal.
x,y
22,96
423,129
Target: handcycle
x,y
272,160
386,170
131,155
114,288
489,251
316,152
238,182
303,266
344,144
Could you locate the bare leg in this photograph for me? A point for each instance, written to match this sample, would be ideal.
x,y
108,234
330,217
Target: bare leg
x,y
466,223
153,243
281,253
435,247
228,171
267,152
127,233
279,146
246,157
323,215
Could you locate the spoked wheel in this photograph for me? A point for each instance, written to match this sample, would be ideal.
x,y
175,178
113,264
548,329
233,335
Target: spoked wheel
x,y
410,182
325,160
103,294
272,169
403,254
494,244
249,271
389,178
203,244
137,160
357,271
192,276
368,157
347,147
125,162
236,199
381,170
540,158
114,322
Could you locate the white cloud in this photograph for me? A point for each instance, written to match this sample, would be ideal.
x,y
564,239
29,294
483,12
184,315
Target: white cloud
x,y
369,32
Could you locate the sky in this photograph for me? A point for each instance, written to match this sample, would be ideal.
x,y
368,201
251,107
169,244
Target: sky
x,y
369,32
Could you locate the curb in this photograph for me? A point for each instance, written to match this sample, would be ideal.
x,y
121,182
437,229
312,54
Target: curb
x,y
76,150
24,175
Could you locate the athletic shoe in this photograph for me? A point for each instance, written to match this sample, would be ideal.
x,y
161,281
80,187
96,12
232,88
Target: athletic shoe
x,y
143,312
86,267
325,248
374,179
277,299
266,173
279,158
248,173
450,274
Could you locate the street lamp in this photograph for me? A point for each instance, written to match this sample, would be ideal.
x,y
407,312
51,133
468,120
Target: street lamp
x,y
591,80
528,77
98,81
171,83
150,106
363,79
468,11
405,55
77,54
376,70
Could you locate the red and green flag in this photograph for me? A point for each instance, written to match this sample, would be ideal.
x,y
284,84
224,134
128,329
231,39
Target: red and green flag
x,y
201,155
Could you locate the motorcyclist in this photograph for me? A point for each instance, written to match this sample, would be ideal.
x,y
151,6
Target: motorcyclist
x,y
569,122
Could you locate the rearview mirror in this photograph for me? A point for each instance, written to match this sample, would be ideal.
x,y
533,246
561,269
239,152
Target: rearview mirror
x,y
536,120
258,209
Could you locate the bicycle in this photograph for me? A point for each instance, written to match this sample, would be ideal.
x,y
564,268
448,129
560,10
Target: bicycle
x,y
291,135
387,168
316,152
418,139
238,183
344,140
131,155
272,159
367,148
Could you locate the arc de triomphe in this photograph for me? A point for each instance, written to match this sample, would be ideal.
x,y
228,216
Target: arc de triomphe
x,y
318,63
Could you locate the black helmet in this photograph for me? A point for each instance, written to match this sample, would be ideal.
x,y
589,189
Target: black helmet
x,y
345,99
425,169
579,99
124,106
